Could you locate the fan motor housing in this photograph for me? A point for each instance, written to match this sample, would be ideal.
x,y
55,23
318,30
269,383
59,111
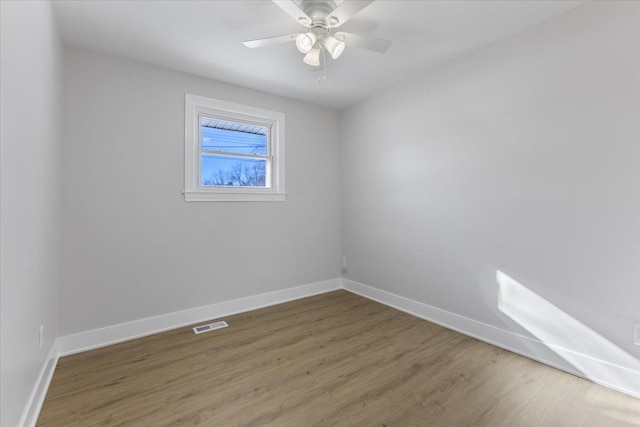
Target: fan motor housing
x,y
318,11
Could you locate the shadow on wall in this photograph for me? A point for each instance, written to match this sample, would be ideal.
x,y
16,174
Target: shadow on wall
x,y
596,357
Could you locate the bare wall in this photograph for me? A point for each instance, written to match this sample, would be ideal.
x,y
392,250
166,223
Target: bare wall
x,y
133,248
31,86
524,158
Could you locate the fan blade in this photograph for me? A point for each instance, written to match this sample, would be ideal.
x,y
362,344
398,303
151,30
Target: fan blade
x,y
294,11
270,40
364,42
345,11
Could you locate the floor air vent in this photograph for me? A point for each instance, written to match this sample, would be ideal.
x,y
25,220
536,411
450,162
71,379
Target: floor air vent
x,y
210,327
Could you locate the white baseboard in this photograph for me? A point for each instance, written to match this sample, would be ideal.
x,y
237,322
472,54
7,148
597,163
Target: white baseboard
x,y
39,392
96,338
609,374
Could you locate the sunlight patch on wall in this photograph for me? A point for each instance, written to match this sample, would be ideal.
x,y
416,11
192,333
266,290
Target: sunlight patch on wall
x,y
596,357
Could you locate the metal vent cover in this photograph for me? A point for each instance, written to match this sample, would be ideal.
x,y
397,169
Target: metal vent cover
x,y
210,327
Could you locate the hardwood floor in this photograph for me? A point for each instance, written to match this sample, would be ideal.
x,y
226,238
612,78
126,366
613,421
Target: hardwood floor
x,y
331,360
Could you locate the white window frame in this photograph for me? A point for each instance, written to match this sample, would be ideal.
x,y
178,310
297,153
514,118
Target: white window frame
x,y
197,106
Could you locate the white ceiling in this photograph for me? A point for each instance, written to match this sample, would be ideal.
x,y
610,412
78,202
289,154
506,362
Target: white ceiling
x,y
205,38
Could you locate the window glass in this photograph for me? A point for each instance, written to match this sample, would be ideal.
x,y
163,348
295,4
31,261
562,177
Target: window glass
x,y
233,137
232,171
233,154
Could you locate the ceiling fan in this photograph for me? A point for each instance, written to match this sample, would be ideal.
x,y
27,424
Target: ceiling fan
x,y
320,18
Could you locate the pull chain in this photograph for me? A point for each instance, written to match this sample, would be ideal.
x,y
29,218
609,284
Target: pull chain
x,y
323,78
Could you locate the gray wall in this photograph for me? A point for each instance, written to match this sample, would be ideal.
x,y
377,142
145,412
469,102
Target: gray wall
x,y
133,248
523,157
31,82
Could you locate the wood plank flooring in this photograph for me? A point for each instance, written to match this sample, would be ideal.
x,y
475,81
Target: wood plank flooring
x,y
335,359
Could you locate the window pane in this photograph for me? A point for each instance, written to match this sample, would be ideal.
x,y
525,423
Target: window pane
x,y
231,137
232,171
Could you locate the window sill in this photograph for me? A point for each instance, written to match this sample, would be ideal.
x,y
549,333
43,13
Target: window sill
x,y
204,196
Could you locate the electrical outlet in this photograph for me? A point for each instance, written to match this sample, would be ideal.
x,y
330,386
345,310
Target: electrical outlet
x,y
344,262
40,335
636,333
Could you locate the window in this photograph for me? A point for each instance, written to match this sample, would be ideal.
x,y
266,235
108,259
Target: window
x,y
232,152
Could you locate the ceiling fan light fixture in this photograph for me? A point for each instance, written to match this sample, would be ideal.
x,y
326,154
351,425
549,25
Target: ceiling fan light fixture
x,y
313,57
334,46
305,42
320,18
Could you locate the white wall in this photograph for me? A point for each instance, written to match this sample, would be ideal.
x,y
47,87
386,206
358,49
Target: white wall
x,y
524,157
31,82
133,248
